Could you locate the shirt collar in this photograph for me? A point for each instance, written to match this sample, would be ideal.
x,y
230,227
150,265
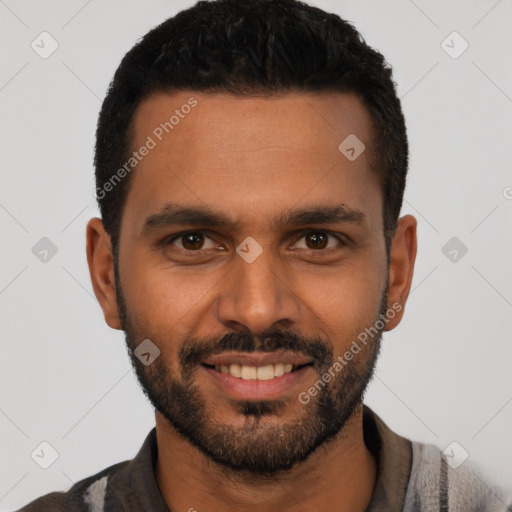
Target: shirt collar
x,y
392,453
393,456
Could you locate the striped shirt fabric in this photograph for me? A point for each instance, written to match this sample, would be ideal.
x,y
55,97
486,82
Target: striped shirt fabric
x,y
411,477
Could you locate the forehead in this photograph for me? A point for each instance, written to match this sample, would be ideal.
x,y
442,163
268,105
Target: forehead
x,y
251,155
245,123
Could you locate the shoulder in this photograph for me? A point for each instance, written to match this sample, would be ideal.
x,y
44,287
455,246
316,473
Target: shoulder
x,y
441,482
80,497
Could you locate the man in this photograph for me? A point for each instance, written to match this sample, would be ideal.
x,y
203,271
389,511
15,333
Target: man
x,y
251,160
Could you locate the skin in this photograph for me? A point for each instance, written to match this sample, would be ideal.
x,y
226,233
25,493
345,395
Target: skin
x,y
253,158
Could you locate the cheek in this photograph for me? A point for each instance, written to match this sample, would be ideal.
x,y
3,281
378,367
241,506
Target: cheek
x,y
163,300
169,302
345,302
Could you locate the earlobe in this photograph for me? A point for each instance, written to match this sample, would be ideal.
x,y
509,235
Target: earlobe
x,y
101,270
401,267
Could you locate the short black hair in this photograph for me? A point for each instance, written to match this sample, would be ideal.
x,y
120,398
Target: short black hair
x,y
251,47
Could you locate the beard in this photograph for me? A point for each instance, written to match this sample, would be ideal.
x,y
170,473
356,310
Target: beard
x,y
262,446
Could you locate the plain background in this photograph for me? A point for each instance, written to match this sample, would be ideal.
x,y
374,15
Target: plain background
x,y
444,374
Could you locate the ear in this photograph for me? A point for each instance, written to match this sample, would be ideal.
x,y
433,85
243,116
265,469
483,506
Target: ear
x,y
101,268
401,268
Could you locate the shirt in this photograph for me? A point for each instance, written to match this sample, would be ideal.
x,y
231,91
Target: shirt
x,y
411,477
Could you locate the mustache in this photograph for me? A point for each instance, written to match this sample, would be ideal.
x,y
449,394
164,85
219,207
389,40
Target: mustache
x,y
195,350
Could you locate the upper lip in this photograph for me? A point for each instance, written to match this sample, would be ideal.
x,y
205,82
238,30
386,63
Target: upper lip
x,y
257,358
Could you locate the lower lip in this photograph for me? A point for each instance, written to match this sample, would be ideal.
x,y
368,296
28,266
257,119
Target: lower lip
x,y
257,389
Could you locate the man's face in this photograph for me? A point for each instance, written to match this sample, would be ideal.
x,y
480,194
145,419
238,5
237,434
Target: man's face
x,y
257,294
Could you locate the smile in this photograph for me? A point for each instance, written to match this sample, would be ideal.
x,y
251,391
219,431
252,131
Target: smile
x,y
267,372
257,375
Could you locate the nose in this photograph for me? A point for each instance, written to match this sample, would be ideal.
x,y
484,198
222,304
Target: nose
x,y
256,296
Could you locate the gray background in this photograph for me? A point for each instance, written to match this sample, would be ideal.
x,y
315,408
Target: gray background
x,y
65,378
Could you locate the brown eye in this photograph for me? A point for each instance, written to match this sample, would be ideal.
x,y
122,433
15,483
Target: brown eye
x,y
317,240
191,241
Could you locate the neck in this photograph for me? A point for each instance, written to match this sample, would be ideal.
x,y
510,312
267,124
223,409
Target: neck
x,y
339,476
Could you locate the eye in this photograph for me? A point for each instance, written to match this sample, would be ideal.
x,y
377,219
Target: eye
x,y
195,241
315,240
191,241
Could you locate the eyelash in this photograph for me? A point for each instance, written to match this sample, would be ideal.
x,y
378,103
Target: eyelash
x,y
343,241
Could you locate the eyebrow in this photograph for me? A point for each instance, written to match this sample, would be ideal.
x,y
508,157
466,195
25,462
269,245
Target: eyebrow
x,y
174,214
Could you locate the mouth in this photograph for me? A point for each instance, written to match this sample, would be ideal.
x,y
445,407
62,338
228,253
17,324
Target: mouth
x,y
257,376
249,372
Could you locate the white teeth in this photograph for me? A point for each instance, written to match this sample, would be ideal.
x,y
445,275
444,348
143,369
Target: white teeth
x,y
235,370
266,372
278,369
249,372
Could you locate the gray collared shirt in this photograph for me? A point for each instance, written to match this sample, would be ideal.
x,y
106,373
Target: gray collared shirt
x,y
411,477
